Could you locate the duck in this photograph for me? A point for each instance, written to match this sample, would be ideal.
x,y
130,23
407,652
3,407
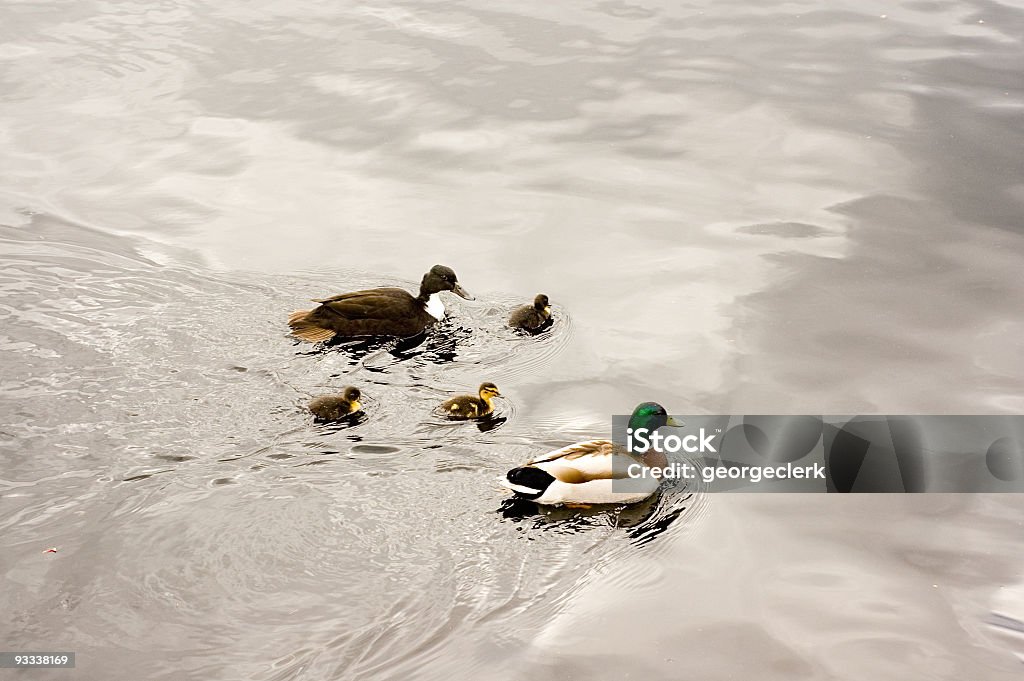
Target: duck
x,y
336,406
531,317
472,406
593,472
378,311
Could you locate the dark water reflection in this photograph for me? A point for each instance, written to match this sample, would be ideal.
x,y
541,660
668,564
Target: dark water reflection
x,y
755,208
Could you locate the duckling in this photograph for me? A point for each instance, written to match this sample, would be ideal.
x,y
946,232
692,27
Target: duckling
x,y
584,473
471,406
336,406
531,318
378,311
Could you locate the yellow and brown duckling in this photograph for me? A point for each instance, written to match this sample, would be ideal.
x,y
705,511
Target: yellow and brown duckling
x,y
472,406
531,317
378,311
336,406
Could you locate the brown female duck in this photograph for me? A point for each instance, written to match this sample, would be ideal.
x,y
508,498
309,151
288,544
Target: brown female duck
x,y
378,311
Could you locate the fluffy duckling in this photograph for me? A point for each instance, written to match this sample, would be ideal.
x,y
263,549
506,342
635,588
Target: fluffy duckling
x,y
531,317
472,406
378,311
583,474
336,406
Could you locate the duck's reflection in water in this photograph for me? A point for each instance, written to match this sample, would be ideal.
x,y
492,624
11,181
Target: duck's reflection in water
x,y
489,423
342,423
644,521
439,345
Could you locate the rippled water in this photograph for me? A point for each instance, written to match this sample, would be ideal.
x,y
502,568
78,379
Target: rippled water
x,y
735,208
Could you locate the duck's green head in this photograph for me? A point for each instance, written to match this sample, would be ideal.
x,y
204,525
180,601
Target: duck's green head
x,y
651,415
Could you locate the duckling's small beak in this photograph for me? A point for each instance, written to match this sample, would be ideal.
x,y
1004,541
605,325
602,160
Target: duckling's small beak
x,y
356,406
675,423
459,291
547,310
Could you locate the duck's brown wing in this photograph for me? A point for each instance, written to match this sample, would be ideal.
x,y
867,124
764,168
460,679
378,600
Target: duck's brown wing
x,y
387,291
374,312
372,303
575,451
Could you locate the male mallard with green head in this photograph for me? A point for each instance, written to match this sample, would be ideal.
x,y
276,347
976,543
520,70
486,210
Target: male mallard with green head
x,y
531,317
583,473
334,407
472,406
378,311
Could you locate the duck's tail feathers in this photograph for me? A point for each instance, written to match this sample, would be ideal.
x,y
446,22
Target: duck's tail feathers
x,y
527,481
308,330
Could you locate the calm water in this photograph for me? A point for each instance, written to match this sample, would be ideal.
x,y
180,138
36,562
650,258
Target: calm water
x,y
736,207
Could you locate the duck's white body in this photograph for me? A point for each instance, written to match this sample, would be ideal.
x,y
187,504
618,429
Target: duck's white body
x,y
590,472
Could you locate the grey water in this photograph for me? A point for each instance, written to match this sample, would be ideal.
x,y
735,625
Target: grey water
x,y
735,207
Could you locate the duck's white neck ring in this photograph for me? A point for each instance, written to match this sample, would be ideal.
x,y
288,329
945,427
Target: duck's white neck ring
x,y
434,306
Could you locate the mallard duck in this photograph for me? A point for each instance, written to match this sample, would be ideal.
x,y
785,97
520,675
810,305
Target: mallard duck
x,y
472,406
334,407
531,317
584,473
378,311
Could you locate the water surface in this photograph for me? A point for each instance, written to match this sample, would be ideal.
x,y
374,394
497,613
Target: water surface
x,y
735,207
